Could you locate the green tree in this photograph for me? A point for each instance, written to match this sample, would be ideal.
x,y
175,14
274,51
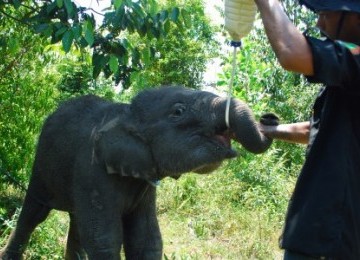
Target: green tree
x,y
76,77
112,53
26,96
184,53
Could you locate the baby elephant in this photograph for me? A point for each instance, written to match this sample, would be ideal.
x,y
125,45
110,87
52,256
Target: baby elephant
x,y
100,161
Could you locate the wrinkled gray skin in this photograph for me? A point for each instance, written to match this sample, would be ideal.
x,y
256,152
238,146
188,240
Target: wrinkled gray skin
x,y
98,161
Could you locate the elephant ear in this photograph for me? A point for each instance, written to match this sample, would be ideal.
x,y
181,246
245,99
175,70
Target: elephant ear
x,y
123,151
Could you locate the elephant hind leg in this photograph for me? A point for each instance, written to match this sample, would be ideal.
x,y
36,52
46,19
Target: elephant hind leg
x,y
74,250
31,215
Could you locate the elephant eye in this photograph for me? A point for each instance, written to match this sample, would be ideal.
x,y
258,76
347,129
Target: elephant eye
x,y
178,110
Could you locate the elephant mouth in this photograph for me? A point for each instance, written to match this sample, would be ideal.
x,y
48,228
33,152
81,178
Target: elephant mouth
x,y
223,139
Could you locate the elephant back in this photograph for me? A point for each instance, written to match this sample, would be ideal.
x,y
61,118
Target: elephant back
x,y
67,133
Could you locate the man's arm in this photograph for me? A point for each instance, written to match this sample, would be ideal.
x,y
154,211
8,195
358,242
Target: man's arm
x,y
288,43
292,133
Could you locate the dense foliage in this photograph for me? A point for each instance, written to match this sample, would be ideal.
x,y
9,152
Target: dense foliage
x,y
112,52
234,213
26,95
184,53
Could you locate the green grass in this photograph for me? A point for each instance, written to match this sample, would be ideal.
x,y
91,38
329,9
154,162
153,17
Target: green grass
x,y
218,217
236,212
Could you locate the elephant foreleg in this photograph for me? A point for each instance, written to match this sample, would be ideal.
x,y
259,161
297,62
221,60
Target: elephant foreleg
x,y
142,237
74,250
102,242
32,214
100,229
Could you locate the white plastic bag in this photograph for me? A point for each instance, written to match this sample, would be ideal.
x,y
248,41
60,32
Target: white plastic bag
x,y
239,17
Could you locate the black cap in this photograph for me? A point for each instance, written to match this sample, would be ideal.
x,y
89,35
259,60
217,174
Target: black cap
x,y
332,5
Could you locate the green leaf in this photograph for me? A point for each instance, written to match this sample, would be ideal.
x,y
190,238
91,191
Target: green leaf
x,y
142,30
76,31
135,57
167,26
117,3
99,61
120,19
50,7
109,18
126,44
138,10
44,29
83,43
69,8
2,42
113,64
134,76
186,18
61,31
16,3
164,15
146,56
67,40
13,45
59,3
153,9
155,32
89,32
124,59
175,14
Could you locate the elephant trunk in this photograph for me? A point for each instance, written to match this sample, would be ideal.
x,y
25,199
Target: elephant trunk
x,y
242,125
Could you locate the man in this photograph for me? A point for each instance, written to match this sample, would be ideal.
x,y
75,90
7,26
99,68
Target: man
x,y
323,219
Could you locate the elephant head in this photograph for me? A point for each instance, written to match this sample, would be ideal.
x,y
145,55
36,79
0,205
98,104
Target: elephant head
x,y
172,130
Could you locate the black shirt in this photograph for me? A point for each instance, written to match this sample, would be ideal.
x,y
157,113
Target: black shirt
x,y
323,217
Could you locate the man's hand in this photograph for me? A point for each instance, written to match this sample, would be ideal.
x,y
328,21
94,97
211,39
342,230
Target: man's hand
x,y
292,133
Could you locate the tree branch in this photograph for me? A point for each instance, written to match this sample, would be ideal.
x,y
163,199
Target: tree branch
x,y
12,17
29,7
91,9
